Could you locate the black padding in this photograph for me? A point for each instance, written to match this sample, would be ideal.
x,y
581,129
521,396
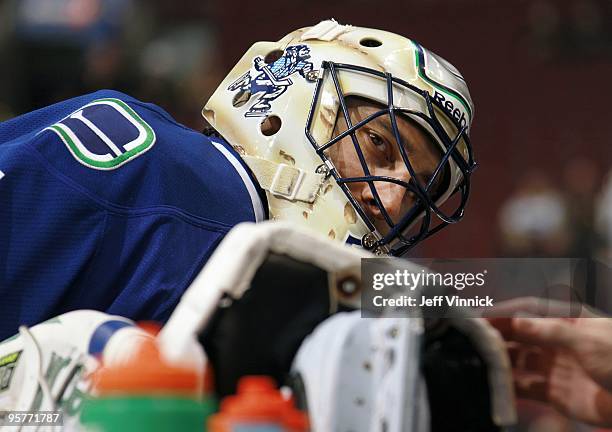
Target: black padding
x,y
457,384
260,333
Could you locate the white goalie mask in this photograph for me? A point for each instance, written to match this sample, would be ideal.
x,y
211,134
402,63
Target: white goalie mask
x,y
278,108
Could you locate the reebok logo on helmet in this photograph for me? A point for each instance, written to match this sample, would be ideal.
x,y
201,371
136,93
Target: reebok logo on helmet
x,y
452,111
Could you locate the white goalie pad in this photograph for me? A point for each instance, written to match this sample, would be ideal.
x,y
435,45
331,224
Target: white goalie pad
x,y
363,375
366,375
46,367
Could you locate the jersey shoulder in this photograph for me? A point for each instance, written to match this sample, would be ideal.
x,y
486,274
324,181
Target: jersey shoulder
x,y
37,120
133,156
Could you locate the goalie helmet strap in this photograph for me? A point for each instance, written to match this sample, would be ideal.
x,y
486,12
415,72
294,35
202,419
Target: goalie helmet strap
x,y
285,181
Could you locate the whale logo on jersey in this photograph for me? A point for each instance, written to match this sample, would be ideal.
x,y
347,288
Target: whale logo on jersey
x,y
272,80
105,134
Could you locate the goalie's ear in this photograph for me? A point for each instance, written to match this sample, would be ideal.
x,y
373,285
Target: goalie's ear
x,y
260,333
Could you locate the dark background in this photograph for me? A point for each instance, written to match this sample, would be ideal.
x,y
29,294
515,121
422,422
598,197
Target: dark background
x,y
539,72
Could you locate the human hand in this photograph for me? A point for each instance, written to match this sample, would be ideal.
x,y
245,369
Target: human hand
x,y
566,362
588,340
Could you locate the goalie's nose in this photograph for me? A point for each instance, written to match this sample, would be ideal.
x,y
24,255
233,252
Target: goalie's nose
x,y
395,199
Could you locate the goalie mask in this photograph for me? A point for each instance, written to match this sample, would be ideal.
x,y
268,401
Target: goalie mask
x,y
301,112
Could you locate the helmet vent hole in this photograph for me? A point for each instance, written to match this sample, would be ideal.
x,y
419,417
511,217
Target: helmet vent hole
x,y
272,56
271,125
370,42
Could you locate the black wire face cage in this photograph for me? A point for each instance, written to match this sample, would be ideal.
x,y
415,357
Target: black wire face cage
x,y
397,241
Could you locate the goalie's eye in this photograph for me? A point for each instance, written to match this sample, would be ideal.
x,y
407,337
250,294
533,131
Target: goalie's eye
x,y
378,141
380,144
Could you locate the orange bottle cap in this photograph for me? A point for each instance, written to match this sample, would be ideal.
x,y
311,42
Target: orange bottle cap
x,y
258,401
145,374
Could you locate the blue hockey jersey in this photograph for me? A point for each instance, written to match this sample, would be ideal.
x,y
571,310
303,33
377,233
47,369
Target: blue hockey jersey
x,y
107,203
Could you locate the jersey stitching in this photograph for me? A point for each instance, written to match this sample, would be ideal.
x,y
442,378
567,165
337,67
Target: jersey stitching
x,y
118,210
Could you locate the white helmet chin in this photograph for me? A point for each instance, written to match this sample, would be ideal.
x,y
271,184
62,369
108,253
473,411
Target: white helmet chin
x,y
279,105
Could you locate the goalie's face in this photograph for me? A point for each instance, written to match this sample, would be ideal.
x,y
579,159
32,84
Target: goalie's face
x,y
383,157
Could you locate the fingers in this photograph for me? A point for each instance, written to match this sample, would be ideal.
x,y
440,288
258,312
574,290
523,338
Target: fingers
x,y
530,386
530,371
576,395
546,332
530,359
